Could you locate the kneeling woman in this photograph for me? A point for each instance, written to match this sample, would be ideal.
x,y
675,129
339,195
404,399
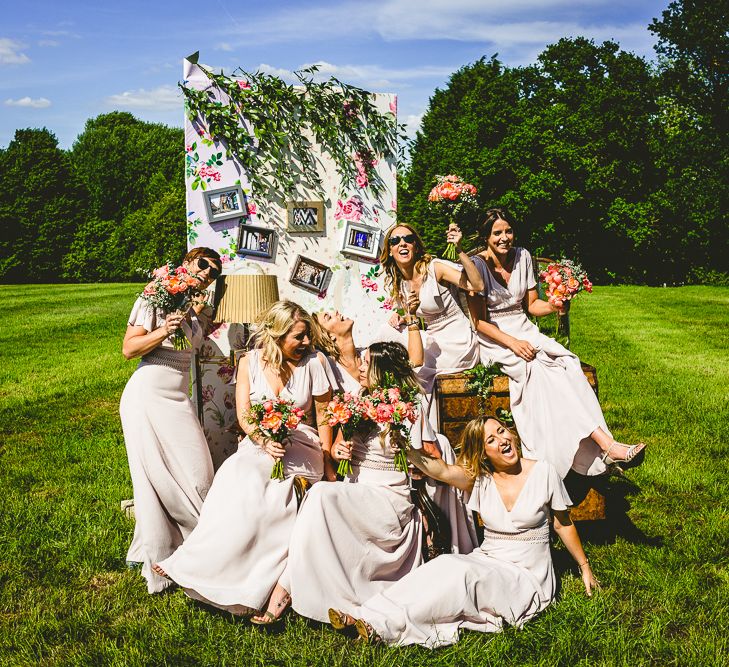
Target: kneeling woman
x,y
354,538
510,577
236,554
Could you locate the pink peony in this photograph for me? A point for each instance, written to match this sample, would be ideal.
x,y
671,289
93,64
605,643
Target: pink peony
x,y
252,210
351,210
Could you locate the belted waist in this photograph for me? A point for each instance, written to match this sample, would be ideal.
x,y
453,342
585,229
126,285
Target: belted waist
x,y
503,312
374,464
162,356
445,317
539,534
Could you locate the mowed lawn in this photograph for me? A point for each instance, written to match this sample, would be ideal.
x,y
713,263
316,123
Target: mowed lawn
x,y
66,597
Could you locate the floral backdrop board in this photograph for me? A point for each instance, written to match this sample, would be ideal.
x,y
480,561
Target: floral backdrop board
x,y
356,188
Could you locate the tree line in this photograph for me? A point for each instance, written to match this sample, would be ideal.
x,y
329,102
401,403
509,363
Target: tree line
x,y
598,154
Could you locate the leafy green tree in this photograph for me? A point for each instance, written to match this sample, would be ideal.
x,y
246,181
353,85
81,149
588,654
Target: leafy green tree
x,y
117,155
42,203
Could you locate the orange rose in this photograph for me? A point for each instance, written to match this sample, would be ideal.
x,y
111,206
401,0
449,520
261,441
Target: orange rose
x,y
272,421
449,191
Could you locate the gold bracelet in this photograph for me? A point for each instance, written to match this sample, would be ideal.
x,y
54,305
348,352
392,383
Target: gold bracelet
x,y
581,565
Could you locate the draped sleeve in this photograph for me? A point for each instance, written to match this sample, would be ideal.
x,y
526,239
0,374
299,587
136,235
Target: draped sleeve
x,y
558,498
529,278
320,383
144,315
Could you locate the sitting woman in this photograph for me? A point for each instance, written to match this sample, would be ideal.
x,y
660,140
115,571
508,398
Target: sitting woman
x,y
344,358
169,458
354,538
509,579
555,410
235,556
450,343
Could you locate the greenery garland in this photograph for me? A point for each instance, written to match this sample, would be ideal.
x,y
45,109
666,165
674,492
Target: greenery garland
x,y
268,124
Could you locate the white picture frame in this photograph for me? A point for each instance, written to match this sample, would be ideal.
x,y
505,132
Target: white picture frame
x,y
361,240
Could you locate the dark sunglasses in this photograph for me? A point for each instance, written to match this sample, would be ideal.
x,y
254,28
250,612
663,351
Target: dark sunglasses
x,y
203,264
408,238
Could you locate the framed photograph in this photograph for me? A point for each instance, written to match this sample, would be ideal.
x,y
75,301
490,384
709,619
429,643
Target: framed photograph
x,y
361,240
256,241
305,217
225,203
310,275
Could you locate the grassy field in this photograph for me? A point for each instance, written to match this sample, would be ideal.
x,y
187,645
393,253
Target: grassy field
x,y
67,599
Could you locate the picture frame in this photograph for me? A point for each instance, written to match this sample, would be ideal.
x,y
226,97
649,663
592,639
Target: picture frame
x,y
361,240
310,275
256,241
225,203
305,217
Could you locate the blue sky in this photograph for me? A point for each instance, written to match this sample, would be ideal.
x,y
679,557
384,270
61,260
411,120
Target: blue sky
x,y
62,62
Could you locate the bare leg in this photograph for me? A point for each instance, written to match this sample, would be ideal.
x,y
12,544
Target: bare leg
x,y
158,570
277,605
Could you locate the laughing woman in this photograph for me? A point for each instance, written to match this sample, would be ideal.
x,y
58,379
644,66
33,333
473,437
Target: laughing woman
x,y
354,538
238,551
169,459
510,578
555,409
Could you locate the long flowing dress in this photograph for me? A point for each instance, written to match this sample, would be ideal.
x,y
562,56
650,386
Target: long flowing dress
x,y
235,556
509,579
169,458
356,537
555,409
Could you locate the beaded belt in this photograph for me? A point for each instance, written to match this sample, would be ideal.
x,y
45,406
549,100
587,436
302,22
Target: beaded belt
x,y
539,534
161,356
511,310
374,464
430,321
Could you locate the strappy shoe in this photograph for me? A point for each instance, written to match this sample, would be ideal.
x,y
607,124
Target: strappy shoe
x,y
633,457
366,632
339,620
269,618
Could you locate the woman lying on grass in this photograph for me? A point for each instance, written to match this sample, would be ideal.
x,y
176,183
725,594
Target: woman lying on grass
x,y
509,578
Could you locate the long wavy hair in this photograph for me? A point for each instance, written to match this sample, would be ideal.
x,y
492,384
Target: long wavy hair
x,y
273,324
322,340
202,251
389,362
471,447
393,277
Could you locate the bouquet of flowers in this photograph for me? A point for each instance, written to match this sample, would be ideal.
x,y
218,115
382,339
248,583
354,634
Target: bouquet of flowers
x,y
348,411
275,419
173,290
451,197
395,406
563,281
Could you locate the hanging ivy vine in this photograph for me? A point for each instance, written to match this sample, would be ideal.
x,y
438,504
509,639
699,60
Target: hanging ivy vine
x,y
269,126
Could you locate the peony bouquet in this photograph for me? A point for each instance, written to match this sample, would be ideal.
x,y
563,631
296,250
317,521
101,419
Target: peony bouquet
x,y
451,197
346,410
395,406
173,290
275,419
563,280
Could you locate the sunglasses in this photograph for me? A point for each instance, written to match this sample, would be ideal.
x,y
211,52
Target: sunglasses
x,y
203,264
408,238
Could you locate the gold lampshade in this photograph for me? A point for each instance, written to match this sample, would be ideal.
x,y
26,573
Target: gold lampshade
x,y
242,297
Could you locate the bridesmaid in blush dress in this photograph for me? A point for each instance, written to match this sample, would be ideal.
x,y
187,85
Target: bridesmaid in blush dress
x,y
555,410
169,458
355,537
238,551
509,579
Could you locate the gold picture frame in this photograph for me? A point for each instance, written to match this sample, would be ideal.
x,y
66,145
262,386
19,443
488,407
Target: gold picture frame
x,y
305,217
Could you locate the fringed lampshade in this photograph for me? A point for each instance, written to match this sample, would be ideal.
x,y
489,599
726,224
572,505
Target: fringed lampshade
x,y
244,296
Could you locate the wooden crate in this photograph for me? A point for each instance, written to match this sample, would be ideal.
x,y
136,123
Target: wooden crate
x,y
457,406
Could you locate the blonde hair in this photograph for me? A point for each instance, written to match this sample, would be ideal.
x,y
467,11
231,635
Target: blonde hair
x,y
322,340
393,277
471,454
272,326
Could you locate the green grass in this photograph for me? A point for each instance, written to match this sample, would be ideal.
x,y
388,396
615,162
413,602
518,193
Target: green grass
x,y
67,599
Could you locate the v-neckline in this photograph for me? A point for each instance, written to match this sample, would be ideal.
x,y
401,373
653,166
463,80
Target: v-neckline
x,y
493,275
268,382
521,491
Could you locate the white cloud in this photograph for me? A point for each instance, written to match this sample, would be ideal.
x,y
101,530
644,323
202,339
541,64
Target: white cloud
x,y
224,46
163,98
11,52
412,124
49,42
40,103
